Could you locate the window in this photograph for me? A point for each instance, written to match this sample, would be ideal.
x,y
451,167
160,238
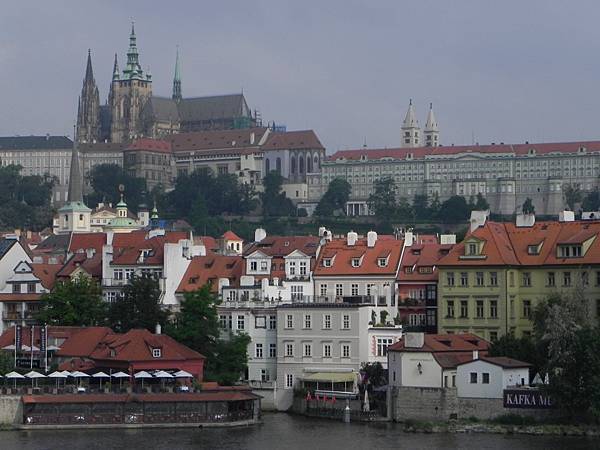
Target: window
x,y
450,278
326,350
223,321
326,262
289,381
566,278
31,287
327,321
258,351
264,265
253,266
118,274
450,309
354,290
485,378
323,290
493,335
129,274
585,280
527,309
292,266
494,309
533,250
346,322
345,351
289,349
464,279
382,345
307,350
289,321
260,322
473,378
302,268
479,278
156,353
16,288
493,278
569,251
297,293
339,289
272,350
355,262
272,322
551,279
597,278
307,321
479,309
472,249
241,322
264,375
526,279
382,262
464,308
511,278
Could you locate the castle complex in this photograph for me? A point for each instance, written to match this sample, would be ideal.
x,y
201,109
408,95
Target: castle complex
x,y
133,111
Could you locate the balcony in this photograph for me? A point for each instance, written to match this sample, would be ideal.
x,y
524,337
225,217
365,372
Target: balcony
x,y
258,384
12,315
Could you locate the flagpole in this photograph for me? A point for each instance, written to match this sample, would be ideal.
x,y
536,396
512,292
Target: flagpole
x,y
32,329
16,326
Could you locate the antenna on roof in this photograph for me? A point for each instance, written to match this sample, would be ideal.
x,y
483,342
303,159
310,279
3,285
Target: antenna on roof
x,y
365,143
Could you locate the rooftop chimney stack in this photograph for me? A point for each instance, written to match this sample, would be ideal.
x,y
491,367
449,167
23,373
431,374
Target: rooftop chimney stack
x,y
371,239
352,237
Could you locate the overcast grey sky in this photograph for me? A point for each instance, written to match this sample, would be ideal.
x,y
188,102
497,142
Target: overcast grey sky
x,y
510,70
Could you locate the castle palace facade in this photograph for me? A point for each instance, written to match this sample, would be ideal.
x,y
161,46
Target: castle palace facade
x,y
132,111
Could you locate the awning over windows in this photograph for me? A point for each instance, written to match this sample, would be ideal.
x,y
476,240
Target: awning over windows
x,y
331,377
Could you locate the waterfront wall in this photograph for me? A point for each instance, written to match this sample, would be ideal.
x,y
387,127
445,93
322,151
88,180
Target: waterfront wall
x,y
11,409
267,402
440,404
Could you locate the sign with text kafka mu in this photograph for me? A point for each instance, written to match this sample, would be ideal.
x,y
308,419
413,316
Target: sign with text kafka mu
x,y
527,399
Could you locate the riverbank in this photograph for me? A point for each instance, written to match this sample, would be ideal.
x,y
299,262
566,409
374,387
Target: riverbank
x,y
497,428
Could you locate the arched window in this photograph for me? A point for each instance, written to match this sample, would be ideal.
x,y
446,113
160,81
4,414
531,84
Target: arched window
x,y
309,166
278,165
301,164
293,165
317,165
267,166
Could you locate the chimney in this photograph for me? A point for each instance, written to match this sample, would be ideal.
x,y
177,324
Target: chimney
x,y
566,216
475,354
414,339
447,239
158,329
322,231
259,234
371,239
90,252
351,238
525,220
478,219
252,138
409,238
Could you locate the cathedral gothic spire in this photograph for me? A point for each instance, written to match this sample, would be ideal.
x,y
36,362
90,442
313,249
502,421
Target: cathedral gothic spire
x,y
88,111
177,78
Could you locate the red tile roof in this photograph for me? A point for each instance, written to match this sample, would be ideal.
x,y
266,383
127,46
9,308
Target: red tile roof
x,y
507,363
208,269
231,236
54,332
214,140
92,266
84,341
425,152
507,244
127,247
280,246
417,257
444,343
297,140
341,255
46,273
84,241
24,297
152,145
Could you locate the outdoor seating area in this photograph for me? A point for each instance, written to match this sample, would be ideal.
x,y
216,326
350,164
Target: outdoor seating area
x,y
80,382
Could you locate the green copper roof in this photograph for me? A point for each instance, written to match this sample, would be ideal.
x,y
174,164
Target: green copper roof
x,y
122,222
74,207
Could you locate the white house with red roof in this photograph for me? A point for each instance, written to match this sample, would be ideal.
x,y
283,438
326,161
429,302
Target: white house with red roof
x,y
488,376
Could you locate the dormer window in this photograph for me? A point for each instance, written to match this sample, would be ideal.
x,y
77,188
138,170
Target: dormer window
x,y
533,249
382,262
355,262
426,269
570,251
326,262
156,353
472,249
113,353
408,270
416,251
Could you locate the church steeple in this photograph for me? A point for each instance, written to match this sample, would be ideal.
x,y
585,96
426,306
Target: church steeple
x,y
177,78
74,216
411,132
75,182
115,75
431,131
88,109
133,68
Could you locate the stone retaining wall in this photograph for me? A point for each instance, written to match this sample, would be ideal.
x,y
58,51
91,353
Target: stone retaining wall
x,y
11,410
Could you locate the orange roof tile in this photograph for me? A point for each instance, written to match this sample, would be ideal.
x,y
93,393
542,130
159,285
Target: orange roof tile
x,y
208,269
231,236
444,343
46,273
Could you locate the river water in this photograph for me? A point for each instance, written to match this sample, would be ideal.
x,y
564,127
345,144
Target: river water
x,y
281,431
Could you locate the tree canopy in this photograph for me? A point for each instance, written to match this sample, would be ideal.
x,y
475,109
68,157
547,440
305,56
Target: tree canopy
x,y
138,307
105,180
75,302
528,207
382,202
591,202
573,195
334,200
454,210
274,201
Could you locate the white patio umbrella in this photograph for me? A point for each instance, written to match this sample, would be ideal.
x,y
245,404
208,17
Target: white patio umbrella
x,y
100,375
183,374
14,376
120,376
366,405
77,375
163,376
34,376
27,348
53,348
58,375
9,347
142,376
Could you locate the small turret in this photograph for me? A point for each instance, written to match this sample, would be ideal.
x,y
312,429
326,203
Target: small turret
x,y
431,132
116,75
177,78
411,132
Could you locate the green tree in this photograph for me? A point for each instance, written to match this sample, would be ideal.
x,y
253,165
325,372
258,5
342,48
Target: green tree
x,y
454,210
528,207
382,202
138,306
523,349
105,180
481,204
591,201
335,199
274,201
573,195
434,206
7,362
230,359
76,302
375,374
420,207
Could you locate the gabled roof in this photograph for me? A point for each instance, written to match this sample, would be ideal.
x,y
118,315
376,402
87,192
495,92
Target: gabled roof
x,y
231,236
217,139
152,145
293,140
444,343
46,273
502,361
35,142
84,241
92,266
424,255
341,265
84,341
208,269
6,245
213,107
280,246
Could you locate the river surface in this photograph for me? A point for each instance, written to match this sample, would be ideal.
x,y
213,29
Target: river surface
x,y
282,431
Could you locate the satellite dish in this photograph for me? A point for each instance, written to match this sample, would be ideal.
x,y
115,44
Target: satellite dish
x,y
121,188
